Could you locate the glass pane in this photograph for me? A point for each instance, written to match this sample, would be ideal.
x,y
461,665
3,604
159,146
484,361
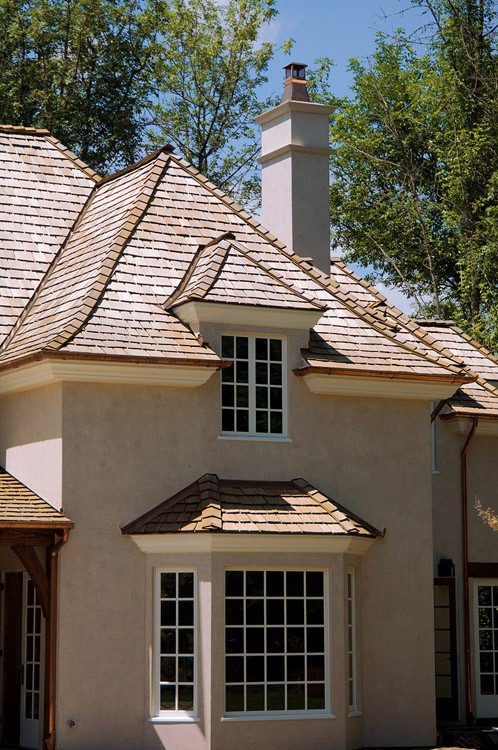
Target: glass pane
x,y
275,698
295,640
255,698
315,669
275,640
242,372
27,705
295,668
316,697
37,648
242,347
262,349
485,640
168,585
274,583
261,372
261,397
234,640
234,583
30,620
495,595
486,662
295,698
186,613
255,640
314,611
276,422
276,398
185,697
227,420
295,611
276,350
227,395
234,698
275,611
29,648
168,641
255,666
29,676
487,684
234,668
36,702
36,682
255,583
275,668
168,693
234,611
261,421
228,374
295,583
185,585
242,421
255,612
242,396
275,374
185,669
315,640
185,641
484,593
484,617
314,583
168,669
227,349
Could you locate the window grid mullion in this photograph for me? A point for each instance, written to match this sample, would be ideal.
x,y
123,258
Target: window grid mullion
x,y
252,384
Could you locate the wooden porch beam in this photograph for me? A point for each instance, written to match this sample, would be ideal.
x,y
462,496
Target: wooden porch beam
x,y
19,537
34,568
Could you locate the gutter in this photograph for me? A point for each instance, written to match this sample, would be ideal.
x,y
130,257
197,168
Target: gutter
x,y
390,374
465,558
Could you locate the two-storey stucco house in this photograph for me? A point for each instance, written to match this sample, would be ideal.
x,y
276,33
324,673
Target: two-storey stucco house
x,y
218,522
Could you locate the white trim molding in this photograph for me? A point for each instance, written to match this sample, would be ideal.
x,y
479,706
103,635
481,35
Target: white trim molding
x,y
378,387
48,371
227,542
292,106
461,425
197,312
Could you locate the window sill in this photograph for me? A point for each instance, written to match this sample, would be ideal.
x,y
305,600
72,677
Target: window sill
x,y
260,438
174,720
278,717
355,713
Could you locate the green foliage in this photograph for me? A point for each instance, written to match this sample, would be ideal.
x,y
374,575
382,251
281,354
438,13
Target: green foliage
x,y
82,69
208,75
415,166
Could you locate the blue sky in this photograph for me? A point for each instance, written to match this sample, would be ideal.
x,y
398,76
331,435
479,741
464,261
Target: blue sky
x,y
340,30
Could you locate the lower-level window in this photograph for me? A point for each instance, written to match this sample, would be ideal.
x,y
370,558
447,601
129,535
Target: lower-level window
x,y
175,642
275,635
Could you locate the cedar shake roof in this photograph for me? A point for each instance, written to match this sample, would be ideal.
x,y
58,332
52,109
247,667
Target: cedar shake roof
x,y
216,505
20,506
108,282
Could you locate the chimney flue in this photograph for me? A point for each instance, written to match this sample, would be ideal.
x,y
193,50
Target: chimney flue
x,y
295,88
295,175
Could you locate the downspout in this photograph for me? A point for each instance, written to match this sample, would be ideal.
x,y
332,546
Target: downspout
x,y
51,652
465,558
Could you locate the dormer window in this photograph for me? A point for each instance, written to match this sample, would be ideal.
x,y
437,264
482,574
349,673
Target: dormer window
x,y
253,388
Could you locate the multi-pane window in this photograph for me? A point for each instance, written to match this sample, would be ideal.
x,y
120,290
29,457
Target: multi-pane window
x,y
275,636
351,642
176,641
32,653
487,606
253,386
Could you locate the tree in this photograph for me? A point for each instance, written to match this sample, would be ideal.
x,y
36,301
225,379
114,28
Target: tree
x,y
208,75
415,166
82,69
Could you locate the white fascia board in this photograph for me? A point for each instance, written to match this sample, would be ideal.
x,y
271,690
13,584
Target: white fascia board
x,y
226,542
195,313
461,426
37,374
378,387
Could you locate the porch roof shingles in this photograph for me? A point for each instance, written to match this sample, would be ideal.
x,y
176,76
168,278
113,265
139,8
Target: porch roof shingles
x,y
21,506
226,505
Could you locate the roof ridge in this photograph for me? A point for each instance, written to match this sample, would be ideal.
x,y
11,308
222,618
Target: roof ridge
x,y
213,246
209,493
90,299
23,130
166,149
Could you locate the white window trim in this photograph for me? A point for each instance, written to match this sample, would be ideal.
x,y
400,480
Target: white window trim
x,y
353,673
252,434
434,465
162,716
324,713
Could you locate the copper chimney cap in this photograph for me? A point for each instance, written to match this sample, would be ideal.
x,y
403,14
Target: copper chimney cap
x,y
295,88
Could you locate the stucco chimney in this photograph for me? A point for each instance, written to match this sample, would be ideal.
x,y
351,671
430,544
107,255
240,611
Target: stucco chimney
x,y
295,174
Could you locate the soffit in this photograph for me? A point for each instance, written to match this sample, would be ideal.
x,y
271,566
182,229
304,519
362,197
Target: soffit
x,y
211,504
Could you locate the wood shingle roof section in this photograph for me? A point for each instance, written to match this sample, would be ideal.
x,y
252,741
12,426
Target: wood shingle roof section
x,y
20,507
211,504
